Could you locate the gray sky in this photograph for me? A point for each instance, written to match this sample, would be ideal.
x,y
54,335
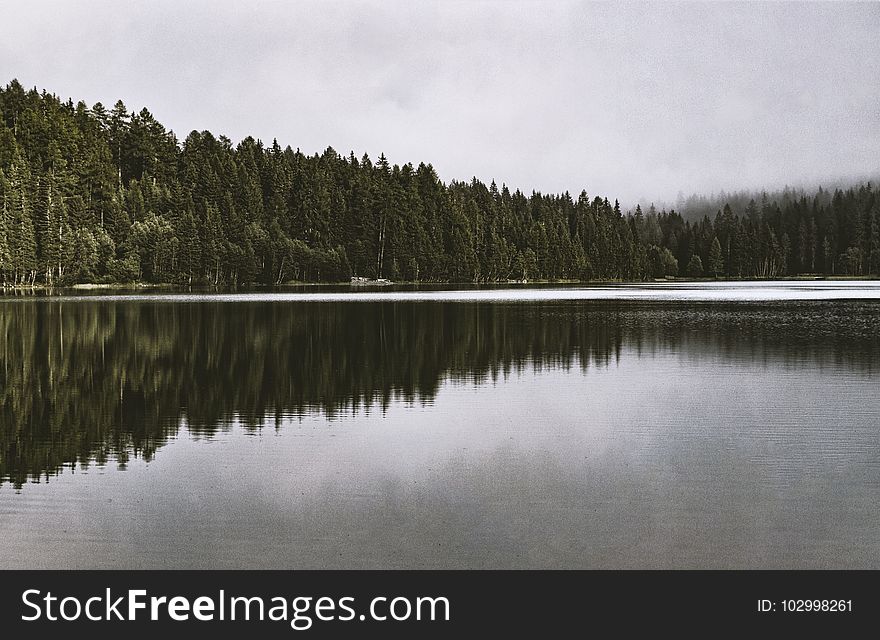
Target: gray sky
x,y
624,100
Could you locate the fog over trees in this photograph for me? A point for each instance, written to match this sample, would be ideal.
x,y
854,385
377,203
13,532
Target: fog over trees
x,y
106,194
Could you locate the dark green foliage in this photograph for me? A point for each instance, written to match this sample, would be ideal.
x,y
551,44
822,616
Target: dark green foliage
x,y
695,267
98,195
661,262
716,262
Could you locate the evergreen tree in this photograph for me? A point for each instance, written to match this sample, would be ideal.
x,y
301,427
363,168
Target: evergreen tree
x,y
716,260
695,266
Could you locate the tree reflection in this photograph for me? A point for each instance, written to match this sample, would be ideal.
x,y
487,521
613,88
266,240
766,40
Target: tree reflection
x,y
85,382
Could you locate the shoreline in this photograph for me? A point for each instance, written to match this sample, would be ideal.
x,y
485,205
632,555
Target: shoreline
x,y
93,286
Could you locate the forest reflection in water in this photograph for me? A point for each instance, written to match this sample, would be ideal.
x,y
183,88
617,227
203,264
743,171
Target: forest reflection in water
x,y
252,433
84,382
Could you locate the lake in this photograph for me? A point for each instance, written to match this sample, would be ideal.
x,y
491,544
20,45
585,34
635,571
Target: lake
x,y
707,425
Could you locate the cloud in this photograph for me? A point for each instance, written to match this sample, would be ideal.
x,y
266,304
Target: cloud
x,y
625,100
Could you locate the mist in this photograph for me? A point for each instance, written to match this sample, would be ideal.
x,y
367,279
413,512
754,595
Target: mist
x,y
629,101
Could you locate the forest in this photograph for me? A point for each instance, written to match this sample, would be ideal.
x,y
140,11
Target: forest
x,y
98,195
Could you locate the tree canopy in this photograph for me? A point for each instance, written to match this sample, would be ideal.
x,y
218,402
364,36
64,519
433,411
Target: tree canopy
x,y
91,194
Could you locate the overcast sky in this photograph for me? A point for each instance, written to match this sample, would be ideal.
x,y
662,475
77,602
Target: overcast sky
x,y
625,100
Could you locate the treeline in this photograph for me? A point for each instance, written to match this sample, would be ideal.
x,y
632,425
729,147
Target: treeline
x,y
90,194
696,206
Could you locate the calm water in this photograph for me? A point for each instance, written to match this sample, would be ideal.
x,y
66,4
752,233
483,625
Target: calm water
x,y
645,426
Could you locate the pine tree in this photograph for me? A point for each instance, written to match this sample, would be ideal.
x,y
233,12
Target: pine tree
x,y
5,260
695,266
716,261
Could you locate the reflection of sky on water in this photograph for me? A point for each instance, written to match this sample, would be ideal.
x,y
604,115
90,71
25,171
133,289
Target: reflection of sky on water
x,y
658,460
770,291
554,429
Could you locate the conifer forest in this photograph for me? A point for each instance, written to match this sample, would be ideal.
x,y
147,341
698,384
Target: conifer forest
x,y
109,195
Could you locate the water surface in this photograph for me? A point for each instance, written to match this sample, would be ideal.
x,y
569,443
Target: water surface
x,y
663,425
